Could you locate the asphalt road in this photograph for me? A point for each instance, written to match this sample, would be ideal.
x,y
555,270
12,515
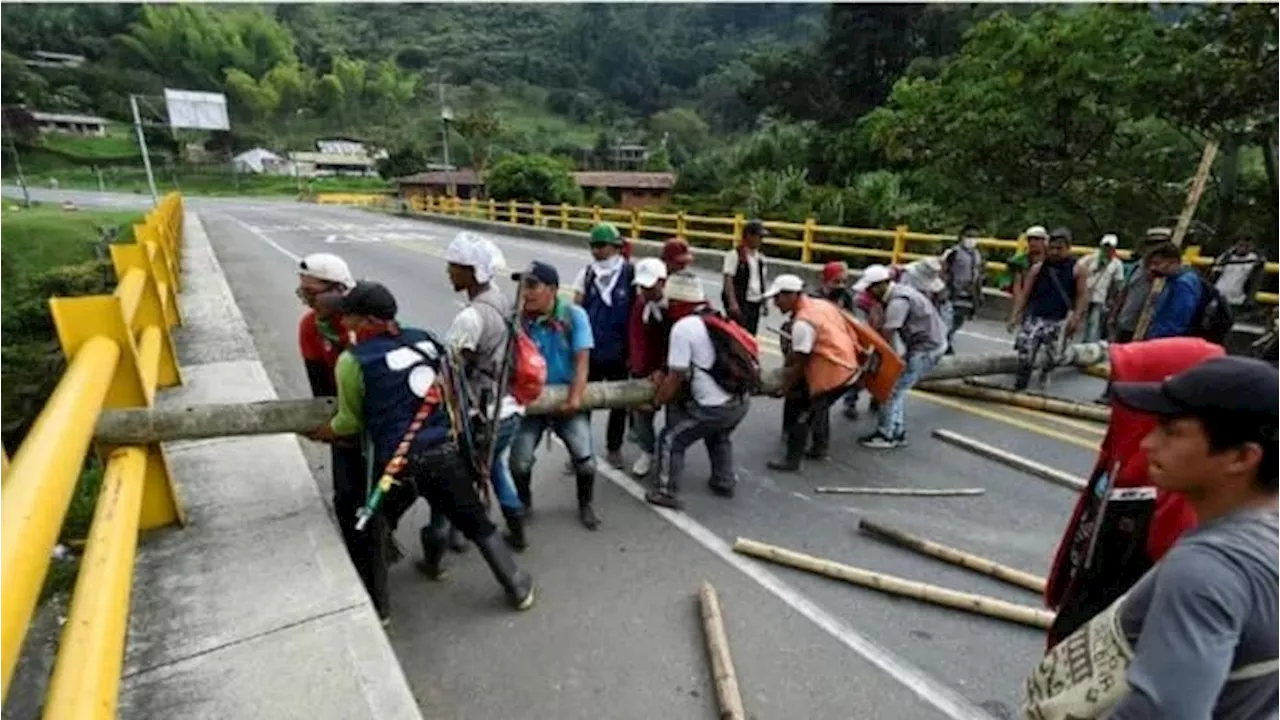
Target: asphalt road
x,y
615,632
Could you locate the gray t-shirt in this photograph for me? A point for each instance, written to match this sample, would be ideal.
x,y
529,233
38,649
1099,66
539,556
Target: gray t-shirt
x,y
1136,291
1208,609
963,266
915,319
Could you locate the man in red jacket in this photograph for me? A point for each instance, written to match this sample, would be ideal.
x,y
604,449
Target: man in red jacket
x,y
1097,562
647,331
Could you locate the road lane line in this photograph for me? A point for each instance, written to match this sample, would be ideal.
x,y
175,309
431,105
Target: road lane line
x,y
263,237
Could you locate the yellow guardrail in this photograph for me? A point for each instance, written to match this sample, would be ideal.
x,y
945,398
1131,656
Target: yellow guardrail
x,y
351,198
118,352
813,241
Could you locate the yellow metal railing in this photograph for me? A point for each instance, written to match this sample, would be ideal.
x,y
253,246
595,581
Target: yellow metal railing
x,y
118,351
808,239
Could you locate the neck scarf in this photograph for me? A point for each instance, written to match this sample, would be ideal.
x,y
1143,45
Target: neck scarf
x,y
606,274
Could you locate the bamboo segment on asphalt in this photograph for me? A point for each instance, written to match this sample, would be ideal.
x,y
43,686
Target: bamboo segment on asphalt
x,y
907,492
1043,403
955,556
728,697
946,597
1017,462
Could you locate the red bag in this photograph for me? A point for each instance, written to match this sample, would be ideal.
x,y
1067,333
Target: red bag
x,y
528,369
737,365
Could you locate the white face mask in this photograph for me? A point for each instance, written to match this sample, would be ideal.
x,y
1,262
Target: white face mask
x,y
969,242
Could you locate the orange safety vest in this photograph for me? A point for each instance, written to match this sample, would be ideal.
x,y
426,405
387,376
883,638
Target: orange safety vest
x,y
834,360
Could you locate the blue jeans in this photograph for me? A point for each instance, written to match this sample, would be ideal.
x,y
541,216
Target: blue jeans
x,y
500,474
1094,322
893,415
574,430
642,432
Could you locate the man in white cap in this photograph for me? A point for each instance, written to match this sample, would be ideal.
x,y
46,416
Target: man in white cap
x,y
1048,310
703,402
1019,265
909,315
479,337
821,366
647,335
1103,273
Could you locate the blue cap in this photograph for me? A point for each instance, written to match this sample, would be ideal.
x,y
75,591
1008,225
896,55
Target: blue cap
x,y
543,274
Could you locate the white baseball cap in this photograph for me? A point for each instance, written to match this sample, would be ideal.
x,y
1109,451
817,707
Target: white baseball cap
x,y
1037,231
649,271
1109,240
871,275
683,287
327,267
785,283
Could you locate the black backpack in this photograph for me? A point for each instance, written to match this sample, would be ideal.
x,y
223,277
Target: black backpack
x,y
737,366
1213,317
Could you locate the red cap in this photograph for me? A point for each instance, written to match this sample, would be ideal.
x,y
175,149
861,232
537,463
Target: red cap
x,y
833,270
675,249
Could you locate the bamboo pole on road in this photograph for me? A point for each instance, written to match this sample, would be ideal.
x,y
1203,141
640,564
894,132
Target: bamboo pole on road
x,y
1017,462
907,492
955,556
1043,403
728,696
946,597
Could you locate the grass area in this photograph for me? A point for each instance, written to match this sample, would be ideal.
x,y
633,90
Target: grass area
x,y
43,237
110,146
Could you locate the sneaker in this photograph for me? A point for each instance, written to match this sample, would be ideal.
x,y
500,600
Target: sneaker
x,y
614,458
877,441
900,440
643,465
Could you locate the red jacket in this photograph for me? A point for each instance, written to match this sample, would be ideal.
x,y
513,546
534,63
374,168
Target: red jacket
x,y
1149,361
647,342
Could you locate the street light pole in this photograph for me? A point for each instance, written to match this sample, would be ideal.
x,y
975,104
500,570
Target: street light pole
x,y
142,142
445,116
17,164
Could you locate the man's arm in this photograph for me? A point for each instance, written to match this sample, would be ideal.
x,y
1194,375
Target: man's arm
x,y
349,420
730,269
895,316
577,388
803,337
1175,308
1082,301
1020,293
1188,639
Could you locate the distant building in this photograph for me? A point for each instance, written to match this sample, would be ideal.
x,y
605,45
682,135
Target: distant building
x,y
341,146
319,164
628,157
91,125
260,161
627,189
46,59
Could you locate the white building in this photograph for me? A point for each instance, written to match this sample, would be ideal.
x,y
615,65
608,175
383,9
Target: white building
x,y
70,123
260,161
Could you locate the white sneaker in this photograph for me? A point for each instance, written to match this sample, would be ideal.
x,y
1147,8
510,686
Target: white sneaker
x,y
643,465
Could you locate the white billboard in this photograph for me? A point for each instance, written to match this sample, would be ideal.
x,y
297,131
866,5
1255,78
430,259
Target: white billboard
x,y
198,110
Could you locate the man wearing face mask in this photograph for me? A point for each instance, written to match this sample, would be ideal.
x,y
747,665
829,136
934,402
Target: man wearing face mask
x,y
963,270
604,289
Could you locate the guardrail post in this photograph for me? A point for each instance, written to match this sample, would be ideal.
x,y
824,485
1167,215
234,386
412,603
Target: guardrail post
x,y
537,213
739,222
564,216
596,214
899,244
1190,255
635,224
806,247
472,210
512,216
493,209
680,226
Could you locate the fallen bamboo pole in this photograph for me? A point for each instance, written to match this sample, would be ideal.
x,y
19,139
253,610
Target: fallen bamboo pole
x,y
955,556
980,604
149,425
1043,403
728,697
1017,462
908,492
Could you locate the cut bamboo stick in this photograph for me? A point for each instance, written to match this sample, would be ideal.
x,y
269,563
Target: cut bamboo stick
x,y
955,556
728,697
1043,403
1017,462
908,492
979,604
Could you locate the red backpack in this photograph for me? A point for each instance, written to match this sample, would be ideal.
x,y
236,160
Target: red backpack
x,y
737,365
528,369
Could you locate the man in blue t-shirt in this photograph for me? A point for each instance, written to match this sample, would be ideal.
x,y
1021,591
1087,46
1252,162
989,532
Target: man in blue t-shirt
x,y
562,332
1175,309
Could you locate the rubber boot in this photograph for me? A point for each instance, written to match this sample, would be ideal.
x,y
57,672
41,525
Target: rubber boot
x,y
516,582
586,493
457,542
524,489
515,529
434,545
795,448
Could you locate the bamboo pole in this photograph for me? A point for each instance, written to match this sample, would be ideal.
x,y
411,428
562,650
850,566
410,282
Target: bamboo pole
x,y
728,696
955,556
979,604
1017,462
908,492
1043,403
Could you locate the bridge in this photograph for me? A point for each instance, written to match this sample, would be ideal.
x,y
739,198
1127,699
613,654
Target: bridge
x,y
252,609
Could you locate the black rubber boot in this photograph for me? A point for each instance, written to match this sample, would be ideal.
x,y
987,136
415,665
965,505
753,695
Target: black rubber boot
x,y
796,438
515,529
586,493
524,489
434,546
516,582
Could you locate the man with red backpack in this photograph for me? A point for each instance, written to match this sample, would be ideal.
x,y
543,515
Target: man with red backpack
x,y
712,368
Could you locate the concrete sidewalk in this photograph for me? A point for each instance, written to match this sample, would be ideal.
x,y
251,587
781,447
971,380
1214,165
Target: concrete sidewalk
x,y
253,609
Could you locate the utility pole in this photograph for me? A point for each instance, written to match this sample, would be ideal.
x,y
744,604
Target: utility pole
x,y
17,164
142,143
445,116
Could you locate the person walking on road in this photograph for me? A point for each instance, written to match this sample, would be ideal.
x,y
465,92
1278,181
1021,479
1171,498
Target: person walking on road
x,y
821,365
1103,273
745,278
562,332
479,337
604,289
1174,310
386,381
1137,286
1196,637
1020,265
702,401
1236,274
1048,311
909,315
1131,522
964,271
649,329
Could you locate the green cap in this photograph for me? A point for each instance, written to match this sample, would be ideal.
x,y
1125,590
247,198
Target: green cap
x,y
605,234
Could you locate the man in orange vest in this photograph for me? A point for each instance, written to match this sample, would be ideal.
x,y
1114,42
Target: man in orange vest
x,y
820,367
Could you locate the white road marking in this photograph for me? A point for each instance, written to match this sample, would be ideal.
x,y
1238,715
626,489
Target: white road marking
x,y
258,233
928,688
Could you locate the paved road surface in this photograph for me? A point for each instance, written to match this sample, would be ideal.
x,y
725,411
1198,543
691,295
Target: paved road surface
x,y
615,631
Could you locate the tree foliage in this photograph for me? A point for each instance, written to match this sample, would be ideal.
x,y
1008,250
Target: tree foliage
x,y
532,177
